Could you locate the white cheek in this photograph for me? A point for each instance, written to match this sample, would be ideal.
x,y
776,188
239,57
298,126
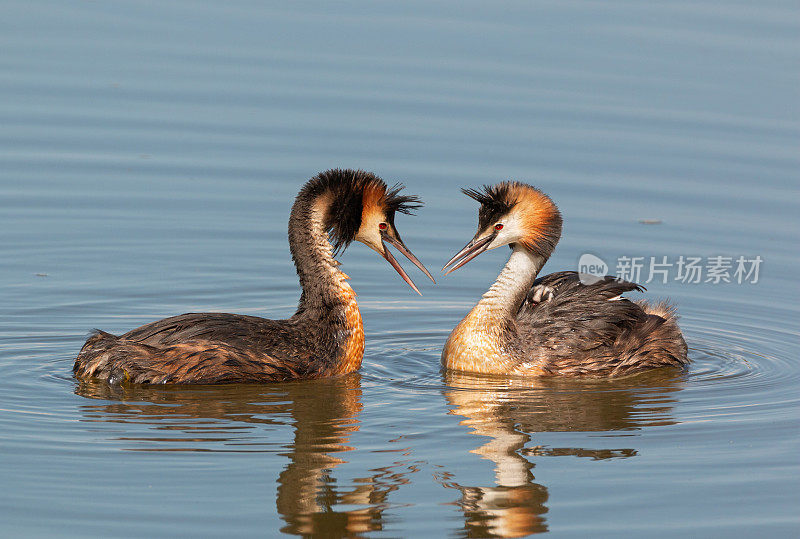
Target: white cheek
x,y
510,232
369,234
501,239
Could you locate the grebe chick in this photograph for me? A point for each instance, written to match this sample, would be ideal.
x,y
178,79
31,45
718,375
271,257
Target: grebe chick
x,y
554,325
325,337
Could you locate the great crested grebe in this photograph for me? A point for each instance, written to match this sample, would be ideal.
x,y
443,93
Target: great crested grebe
x,y
325,337
554,325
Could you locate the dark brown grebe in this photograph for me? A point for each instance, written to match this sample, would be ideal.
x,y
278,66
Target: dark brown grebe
x,y
325,337
554,325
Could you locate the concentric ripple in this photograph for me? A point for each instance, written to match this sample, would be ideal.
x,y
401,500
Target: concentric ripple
x,y
740,364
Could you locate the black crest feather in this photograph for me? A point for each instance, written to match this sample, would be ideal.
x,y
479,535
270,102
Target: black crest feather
x,y
495,202
347,188
403,203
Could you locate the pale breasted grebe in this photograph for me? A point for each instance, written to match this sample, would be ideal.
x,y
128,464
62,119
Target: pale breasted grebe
x,y
554,325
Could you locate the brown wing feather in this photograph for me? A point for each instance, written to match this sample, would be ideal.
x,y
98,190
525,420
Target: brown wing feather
x,y
581,330
115,359
208,348
568,282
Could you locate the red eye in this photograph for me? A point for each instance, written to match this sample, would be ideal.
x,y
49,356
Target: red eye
x,y
498,226
383,226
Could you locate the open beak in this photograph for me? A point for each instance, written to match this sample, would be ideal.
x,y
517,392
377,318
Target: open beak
x,y
470,251
398,244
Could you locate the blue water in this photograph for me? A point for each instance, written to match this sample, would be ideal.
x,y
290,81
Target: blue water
x,y
149,155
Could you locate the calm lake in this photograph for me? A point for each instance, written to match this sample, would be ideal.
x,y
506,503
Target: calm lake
x,y
149,155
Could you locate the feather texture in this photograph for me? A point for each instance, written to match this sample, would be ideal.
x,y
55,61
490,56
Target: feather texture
x,y
325,337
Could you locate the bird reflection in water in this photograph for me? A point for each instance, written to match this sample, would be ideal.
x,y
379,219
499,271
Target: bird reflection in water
x,y
323,413
509,411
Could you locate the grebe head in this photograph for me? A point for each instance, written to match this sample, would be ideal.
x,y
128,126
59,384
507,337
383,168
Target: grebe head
x,y
362,208
511,213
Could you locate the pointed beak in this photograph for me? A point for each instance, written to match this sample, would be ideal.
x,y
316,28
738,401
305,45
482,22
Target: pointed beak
x,y
470,251
400,246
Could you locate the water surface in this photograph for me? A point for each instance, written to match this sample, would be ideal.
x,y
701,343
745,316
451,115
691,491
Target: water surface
x,y
150,154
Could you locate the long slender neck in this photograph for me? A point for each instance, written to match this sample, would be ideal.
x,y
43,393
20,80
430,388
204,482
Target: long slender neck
x,y
327,301
503,299
324,286
477,344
